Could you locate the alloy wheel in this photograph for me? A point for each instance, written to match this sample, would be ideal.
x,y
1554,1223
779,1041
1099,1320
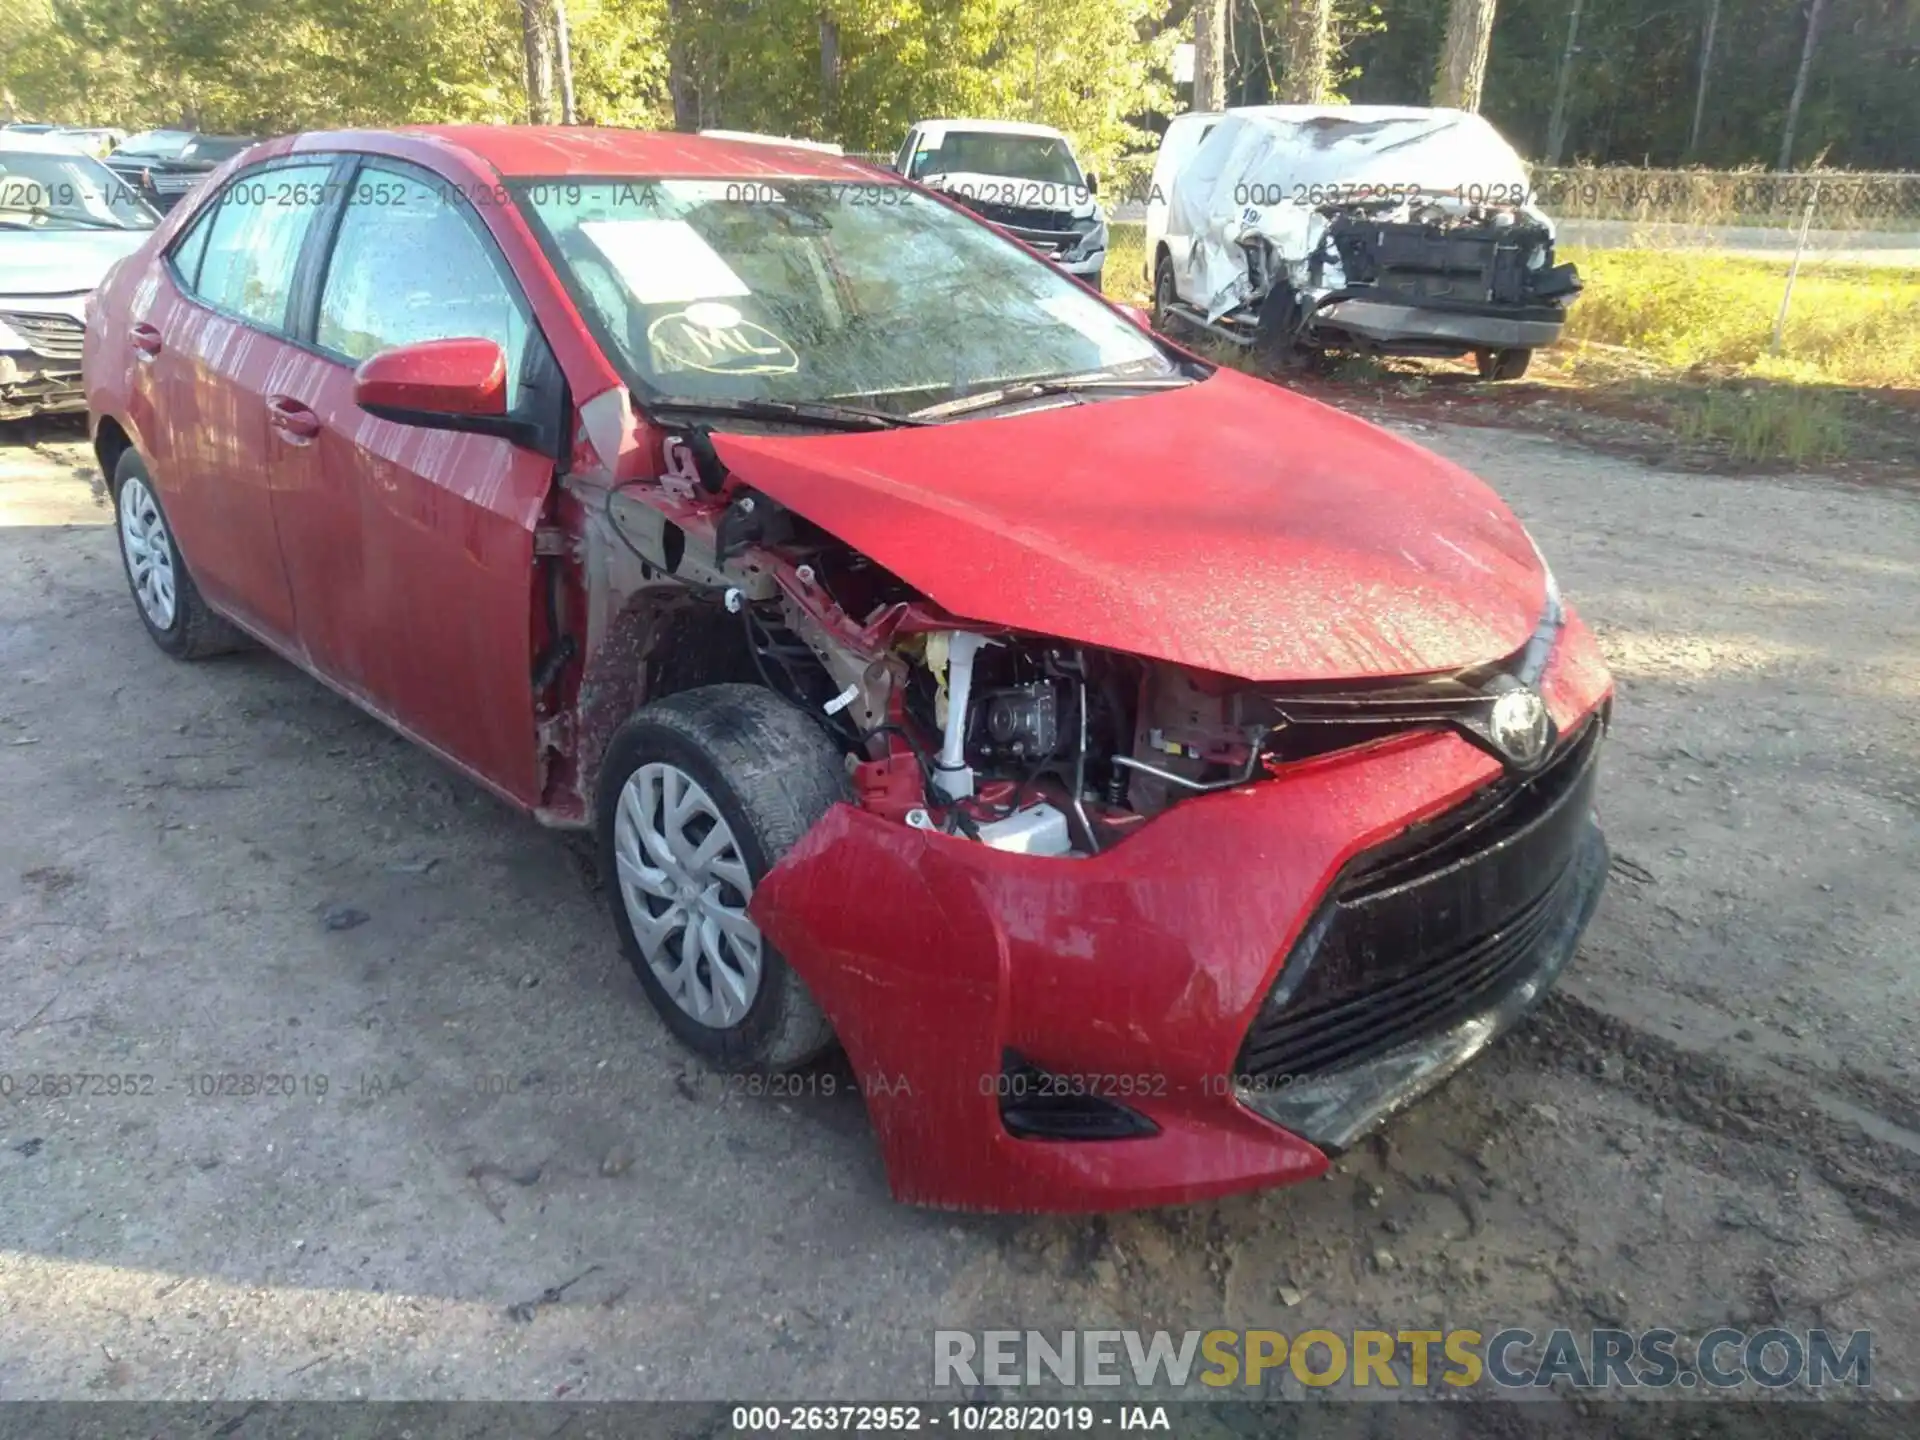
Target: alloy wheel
x,y
148,550
685,885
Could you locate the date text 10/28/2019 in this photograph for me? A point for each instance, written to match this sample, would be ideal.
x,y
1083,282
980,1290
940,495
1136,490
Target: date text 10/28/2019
x,y
958,1419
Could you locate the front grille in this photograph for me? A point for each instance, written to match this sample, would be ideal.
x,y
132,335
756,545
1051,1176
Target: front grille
x,y
1051,241
1017,217
1039,228
53,337
1432,927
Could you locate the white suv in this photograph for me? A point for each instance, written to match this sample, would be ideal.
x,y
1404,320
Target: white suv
x,y
1024,178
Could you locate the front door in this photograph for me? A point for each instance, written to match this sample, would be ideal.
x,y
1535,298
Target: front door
x,y
410,550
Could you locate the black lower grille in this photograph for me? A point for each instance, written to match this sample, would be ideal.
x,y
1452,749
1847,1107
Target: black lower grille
x,y
1038,1105
1431,927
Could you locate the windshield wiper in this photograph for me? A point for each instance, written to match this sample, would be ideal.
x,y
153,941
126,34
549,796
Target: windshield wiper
x,y
1033,389
804,412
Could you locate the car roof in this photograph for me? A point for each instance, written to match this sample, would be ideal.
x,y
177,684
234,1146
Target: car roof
x,y
48,144
1358,114
560,151
994,127
826,147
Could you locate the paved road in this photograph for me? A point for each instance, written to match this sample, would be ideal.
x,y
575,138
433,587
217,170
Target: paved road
x,y
1849,247
1716,1119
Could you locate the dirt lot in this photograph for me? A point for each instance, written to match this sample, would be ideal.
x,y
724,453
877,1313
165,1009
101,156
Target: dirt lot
x,y
1717,1119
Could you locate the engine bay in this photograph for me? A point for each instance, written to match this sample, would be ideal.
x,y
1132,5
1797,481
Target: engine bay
x,y
1020,742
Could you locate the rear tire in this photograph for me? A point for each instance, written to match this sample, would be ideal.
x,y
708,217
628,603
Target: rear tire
x,y
164,595
700,795
1502,364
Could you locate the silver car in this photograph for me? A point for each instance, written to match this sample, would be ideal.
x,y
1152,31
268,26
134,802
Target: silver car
x,y
65,220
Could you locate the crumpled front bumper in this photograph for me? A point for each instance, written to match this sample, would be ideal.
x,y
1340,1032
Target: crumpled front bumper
x,y
30,385
1494,327
1135,974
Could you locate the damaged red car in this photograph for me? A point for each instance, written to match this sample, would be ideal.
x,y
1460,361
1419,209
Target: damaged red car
x,y
1150,777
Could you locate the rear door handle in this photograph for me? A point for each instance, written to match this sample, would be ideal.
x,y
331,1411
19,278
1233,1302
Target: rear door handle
x,y
292,419
146,340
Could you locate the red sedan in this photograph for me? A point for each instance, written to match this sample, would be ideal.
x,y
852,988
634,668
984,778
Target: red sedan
x,y
1150,777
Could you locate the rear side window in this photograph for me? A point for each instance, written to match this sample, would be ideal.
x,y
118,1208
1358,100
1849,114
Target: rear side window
x,y
409,264
253,241
188,251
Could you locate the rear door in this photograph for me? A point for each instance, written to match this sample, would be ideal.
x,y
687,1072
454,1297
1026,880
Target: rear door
x,y
410,550
211,342
1183,137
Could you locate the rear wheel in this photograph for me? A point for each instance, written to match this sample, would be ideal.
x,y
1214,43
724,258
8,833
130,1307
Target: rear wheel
x,y
169,603
1502,364
700,795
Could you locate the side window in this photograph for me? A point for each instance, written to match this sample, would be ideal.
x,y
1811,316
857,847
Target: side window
x,y
253,241
408,265
904,155
187,252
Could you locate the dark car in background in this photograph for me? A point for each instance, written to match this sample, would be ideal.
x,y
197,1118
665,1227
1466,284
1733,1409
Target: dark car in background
x,y
164,165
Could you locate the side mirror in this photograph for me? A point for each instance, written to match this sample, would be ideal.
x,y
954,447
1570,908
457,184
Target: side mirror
x,y
1093,183
437,384
1137,315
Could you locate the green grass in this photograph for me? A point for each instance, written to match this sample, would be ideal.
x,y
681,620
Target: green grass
x,y
1123,278
1794,424
1848,325
1684,338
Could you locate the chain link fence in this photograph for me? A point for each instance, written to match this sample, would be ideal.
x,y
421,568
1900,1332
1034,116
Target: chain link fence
x,y
1843,238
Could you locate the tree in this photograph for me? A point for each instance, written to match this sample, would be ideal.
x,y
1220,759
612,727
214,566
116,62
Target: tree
x,y
1706,65
1562,79
1463,55
1306,41
536,32
1210,54
563,57
1800,82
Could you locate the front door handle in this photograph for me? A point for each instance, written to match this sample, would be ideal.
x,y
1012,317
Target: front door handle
x,y
146,340
292,419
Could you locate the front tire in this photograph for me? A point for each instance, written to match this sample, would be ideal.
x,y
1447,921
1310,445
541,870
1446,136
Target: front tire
x,y
1165,293
700,795
1502,364
169,603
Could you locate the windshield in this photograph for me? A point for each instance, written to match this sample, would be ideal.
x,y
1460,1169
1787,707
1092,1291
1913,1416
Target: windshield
x,y
821,291
214,148
155,144
1043,158
39,191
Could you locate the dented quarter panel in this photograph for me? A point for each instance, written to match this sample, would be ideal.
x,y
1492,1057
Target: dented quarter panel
x,y
1295,543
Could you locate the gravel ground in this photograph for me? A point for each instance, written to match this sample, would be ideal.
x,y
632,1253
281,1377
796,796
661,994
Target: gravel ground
x,y
513,1186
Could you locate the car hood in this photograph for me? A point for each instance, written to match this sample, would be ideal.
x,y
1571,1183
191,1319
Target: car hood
x,y
1231,526
974,188
61,262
